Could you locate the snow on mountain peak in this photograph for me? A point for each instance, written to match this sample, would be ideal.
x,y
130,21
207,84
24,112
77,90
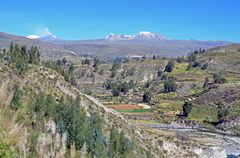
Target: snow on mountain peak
x,y
143,35
47,38
33,36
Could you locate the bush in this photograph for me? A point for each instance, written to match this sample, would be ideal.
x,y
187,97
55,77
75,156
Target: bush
x,y
191,57
101,72
154,57
130,72
218,79
204,67
206,83
115,92
118,86
64,61
193,65
222,112
15,103
170,86
118,144
187,107
169,67
180,59
95,64
86,62
146,97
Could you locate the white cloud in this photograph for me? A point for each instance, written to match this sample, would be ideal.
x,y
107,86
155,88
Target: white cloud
x,y
40,32
43,31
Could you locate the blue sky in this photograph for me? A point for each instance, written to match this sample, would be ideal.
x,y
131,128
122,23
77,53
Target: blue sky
x,y
89,19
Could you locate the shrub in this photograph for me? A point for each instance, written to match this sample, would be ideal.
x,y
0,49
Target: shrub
x,y
186,108
170,86
15,103
86,62
95,64
169,67
204,67
218,79
101,72
130,72
191,57
146,97
180,59
64,61
115,91
222,112
206,83
154,57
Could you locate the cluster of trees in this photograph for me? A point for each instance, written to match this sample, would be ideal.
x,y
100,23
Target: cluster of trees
x,y
180,59
116,65
70,118
62,62
19,56
118,87
66,73
217,79
96,63
118,144
192,63
86,62
199,51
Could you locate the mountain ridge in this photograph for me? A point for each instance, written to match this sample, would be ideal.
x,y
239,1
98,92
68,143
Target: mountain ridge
x,y
53,48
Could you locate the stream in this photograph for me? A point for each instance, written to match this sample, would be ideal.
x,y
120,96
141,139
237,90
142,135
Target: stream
x,y
217,140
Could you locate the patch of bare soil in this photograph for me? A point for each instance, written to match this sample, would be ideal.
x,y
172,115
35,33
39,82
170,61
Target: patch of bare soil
x,y
125,107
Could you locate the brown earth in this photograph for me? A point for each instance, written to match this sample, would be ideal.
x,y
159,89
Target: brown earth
x,y
125,107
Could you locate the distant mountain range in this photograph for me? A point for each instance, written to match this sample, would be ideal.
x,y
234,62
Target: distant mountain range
x,y
142,43
143,35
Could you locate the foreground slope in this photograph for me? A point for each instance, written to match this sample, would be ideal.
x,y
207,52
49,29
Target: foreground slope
x,y
20,136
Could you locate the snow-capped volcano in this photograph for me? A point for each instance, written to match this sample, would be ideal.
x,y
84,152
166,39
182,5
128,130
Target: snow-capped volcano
x,y
47,38
143,35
